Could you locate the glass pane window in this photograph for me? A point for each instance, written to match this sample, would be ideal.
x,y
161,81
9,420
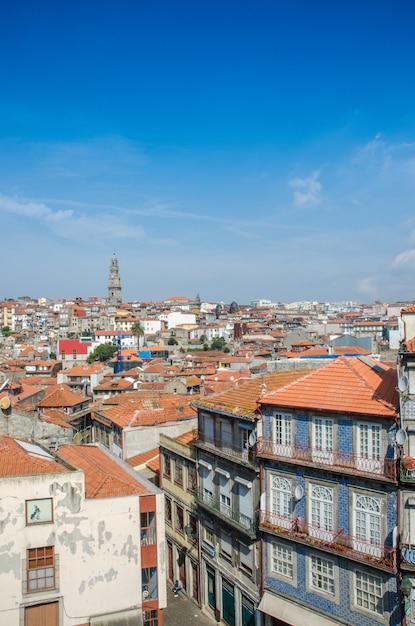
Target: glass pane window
x,y
281,496
282,560
167,510
41,568
150,618
368,524
179,519
149,582
148,528
282,429
191,477
368,592
167,466
322,512
178,473
322,574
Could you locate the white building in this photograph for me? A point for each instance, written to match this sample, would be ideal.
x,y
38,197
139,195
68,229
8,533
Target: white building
x,y
82,539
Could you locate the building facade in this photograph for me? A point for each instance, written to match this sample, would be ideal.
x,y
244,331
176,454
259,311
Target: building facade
x,y
329,497
82,539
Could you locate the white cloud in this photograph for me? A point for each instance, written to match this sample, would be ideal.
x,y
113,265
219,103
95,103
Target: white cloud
x,y
37,210
310,190
405,259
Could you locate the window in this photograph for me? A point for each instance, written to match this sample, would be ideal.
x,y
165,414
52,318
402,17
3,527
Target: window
x,y
369,447
209,535
368,592
167,466
226,435
192,530
322,574
150,618
167,510
322,439
207,484
191,478
148,529
225,495
367,513
149,583
178,472
226,544
209,429
246,558
322,512
179,519
281,432
282,559
40,568
281,501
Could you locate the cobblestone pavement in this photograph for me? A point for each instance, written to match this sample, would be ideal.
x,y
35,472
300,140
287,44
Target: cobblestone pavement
x,y
181,611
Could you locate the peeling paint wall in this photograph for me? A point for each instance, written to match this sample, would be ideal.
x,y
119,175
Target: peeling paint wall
x,y
96,543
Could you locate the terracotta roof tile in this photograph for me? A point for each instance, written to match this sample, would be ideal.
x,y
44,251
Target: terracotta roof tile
x,y
243,400
61,396
356,385
104,477
15,460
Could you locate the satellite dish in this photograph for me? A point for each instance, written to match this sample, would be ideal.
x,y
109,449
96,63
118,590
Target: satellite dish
x,y
5,403
401,437
403,383
299,492
146,593
252,439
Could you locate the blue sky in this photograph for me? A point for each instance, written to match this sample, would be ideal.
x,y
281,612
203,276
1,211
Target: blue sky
x,y
234,149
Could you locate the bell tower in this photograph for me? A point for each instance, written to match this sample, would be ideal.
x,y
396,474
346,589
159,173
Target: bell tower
x,y
114,283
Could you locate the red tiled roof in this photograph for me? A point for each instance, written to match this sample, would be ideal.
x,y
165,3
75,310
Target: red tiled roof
x,y
18,461
356,385
104,478
144,457
243,400
61,396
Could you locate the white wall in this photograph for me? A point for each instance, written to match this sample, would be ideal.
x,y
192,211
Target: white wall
x,y
96,542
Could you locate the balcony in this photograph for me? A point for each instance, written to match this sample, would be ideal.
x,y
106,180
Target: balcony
x,y
369,467
375,554
234,518
232,451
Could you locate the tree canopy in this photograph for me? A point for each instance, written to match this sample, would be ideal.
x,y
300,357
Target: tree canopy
x,y
104,352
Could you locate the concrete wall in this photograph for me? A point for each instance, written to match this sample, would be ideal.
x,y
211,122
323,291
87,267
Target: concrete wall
x,y
96,544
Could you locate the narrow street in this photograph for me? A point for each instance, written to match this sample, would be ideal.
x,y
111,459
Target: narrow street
x,y
181,611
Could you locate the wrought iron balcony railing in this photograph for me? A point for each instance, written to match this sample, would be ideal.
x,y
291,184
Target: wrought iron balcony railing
x,y
232,516
353,463
337,541
238,452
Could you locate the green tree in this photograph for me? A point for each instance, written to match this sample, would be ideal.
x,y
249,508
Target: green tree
x,y
137,330
104,352
5,331
218,343
172,342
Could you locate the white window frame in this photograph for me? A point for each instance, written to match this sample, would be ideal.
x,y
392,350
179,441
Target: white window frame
x,y
369,447
282,433
321,511
282,560
281,500
367,524
374,590
322,438
322,575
